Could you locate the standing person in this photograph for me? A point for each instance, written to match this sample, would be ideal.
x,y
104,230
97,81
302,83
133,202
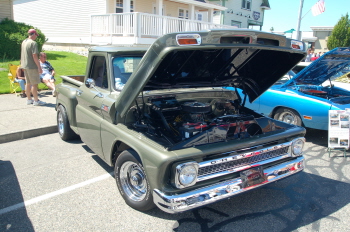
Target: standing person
x,y
31,66
308,56
48,74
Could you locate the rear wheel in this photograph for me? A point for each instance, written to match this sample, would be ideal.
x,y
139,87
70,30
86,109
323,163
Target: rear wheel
x,y
289,116
64,130
132,181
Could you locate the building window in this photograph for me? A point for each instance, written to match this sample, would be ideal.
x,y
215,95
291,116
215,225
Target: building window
x,y
199,16
235,23
155,9
183,14
247,4
119,6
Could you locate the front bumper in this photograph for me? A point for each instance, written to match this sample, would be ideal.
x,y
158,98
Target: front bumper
x,y
222,190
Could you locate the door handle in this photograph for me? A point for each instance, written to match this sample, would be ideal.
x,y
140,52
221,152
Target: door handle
x,y
79,92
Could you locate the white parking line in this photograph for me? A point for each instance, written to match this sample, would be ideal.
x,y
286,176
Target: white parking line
x,y
53,194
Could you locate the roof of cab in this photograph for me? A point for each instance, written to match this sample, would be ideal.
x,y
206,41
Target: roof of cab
x,y
111,49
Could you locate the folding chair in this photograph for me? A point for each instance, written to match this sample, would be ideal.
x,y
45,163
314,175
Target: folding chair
x,y
14,86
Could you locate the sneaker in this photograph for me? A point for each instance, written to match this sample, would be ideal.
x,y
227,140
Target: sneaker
x,y
38,103
29,102
54,93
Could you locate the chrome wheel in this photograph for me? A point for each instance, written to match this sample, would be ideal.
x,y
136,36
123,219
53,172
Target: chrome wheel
x,y
287,117
133,181
60,123
66,133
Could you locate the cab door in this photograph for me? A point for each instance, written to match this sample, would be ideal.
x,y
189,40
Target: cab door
x,y
90,104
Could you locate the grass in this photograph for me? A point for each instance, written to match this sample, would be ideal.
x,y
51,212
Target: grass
x,y
64,63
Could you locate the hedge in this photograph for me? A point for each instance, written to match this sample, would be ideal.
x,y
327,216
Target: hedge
x,y
11,36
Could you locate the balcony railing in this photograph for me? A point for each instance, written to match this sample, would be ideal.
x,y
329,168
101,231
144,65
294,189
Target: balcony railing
x,y
142,27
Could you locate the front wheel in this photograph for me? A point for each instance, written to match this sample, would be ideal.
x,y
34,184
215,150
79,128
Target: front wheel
x,y
132,181
289,116
64,130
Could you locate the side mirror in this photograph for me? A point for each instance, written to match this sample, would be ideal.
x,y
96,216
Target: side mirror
x,y
90,83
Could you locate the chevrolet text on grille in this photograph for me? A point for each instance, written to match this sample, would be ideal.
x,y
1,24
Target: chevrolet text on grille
x,y
244,155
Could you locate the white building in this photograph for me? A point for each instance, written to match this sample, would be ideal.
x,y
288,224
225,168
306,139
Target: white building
x,y
242,13
125,22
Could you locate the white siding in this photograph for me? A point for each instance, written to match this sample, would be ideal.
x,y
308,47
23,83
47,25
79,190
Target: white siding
x,y
66,21
5,9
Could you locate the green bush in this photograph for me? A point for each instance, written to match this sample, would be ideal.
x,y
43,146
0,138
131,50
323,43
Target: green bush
x,y
11,36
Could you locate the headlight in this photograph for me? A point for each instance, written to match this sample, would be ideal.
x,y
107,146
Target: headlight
x,y
186,174
297,146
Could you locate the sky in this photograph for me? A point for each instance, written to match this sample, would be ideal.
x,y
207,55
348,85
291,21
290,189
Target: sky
x,y
283,15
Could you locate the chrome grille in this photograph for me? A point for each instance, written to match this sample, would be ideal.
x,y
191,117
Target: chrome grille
x,y
221,167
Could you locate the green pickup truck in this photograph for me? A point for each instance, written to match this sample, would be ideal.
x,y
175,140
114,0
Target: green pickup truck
x,y
172,120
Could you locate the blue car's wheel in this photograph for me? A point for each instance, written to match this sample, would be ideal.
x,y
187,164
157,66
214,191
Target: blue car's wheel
x,y
289,116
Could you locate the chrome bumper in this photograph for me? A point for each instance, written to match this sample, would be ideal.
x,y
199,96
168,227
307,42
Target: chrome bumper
x,y
222,190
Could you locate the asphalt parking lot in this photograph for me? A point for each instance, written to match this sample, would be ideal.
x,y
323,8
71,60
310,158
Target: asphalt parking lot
x,y
50,185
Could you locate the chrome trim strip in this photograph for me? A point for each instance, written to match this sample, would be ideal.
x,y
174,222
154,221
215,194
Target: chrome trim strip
x,y
209,194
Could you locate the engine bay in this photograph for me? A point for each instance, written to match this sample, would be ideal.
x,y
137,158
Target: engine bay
x,y
324,92
186,123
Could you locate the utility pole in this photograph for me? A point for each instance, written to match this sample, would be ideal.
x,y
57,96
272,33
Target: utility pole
x,y
299,20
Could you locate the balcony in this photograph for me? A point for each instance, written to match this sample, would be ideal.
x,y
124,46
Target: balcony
x,y
141,28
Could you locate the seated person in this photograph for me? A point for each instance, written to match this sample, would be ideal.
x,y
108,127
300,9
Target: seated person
x,y
48,75
21,80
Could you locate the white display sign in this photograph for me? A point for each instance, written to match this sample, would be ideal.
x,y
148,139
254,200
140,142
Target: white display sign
x,y
338,129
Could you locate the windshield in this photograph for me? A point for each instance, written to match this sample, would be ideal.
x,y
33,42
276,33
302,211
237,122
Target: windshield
x,y
123,67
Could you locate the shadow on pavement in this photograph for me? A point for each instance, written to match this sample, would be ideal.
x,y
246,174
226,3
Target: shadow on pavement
x,y
318,137
286,205
13,214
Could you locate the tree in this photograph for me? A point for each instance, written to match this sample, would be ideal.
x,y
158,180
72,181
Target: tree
x,y
11,36
340,36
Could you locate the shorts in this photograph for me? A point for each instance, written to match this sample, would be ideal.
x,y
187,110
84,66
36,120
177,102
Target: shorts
x,y
32,76
47,76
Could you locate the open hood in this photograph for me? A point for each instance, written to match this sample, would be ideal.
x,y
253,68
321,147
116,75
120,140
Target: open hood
x,y
246,59
330,66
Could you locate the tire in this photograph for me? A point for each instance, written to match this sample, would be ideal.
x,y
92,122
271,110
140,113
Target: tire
x,y
288,116
132,181
64,130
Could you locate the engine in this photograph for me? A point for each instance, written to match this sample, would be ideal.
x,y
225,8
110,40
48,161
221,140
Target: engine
x,y
191,123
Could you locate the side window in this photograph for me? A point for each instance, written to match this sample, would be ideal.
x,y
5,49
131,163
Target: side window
x,y
98,72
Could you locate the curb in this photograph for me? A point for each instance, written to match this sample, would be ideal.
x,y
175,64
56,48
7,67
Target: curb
x,y
27,134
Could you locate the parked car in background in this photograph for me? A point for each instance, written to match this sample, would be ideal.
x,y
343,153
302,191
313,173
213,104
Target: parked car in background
x,y
307,97
300,66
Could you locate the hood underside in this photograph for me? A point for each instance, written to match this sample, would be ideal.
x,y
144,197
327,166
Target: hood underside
x,y
250,60
328,67
251,69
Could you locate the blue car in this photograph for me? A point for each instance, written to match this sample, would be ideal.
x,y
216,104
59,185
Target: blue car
x,y
306,97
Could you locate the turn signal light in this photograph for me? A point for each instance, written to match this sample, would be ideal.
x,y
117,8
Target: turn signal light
x,y
188,39
297,45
